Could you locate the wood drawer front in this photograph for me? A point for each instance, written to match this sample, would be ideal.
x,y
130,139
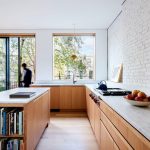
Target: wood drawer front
x,y
134,138
107,110
98,110
97,123
107,142
116,146
118,138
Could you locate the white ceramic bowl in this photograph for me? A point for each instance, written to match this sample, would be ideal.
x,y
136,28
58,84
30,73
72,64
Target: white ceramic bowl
x,y
137,103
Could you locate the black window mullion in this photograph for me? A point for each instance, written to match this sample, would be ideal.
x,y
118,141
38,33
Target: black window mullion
x,y
7,64
19,63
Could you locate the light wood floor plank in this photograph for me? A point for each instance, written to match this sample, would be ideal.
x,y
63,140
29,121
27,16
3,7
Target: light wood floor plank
x,y
73,133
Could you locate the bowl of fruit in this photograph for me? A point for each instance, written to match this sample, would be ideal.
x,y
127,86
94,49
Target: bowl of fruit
x,y
138,98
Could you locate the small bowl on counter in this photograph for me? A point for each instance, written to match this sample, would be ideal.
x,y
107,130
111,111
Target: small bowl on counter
x,y
138,98
138,103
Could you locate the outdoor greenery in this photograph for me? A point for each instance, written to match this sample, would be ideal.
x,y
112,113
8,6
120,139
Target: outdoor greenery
x,y
64,65
2,64
27,55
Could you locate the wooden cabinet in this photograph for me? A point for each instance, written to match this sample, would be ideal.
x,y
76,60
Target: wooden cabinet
x,y
65,97
52,103
36,119
117,137
92,117
107,142
88,102
72,98
111,130
97,127
55,97
90,107
93,111
78,97
116,146
131,135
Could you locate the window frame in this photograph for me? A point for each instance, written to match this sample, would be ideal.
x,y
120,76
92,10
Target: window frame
x,y
94,54
7,37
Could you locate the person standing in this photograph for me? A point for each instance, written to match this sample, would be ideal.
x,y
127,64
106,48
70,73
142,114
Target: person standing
x,y
27,75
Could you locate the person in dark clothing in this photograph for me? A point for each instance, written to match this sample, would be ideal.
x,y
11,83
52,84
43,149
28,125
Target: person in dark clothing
x,y
27,75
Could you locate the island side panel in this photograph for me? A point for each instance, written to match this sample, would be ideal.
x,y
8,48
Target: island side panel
x,y
36,119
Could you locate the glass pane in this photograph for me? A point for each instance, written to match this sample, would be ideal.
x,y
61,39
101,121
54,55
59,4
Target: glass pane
x,y
27,53
2,64
74,56
13,62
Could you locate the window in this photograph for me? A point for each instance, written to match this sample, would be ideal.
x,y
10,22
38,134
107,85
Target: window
x,y
74,55
15,50
2,64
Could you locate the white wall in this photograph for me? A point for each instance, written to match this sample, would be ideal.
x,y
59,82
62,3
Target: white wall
x,y
44,51
115,53
134,48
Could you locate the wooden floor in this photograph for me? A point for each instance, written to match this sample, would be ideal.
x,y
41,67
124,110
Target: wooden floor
x,y
68,133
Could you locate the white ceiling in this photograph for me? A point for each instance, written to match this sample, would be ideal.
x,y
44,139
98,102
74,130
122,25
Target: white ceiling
x,y
47,14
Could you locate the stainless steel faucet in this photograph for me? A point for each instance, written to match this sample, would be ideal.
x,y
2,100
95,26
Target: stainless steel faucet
x,y
74,81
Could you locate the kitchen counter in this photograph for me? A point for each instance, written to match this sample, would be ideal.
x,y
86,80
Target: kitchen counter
x,y
138,117
56,84
4,96
61,83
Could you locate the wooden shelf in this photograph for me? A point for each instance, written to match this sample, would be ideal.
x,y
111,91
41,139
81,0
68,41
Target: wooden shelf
x,y
12,136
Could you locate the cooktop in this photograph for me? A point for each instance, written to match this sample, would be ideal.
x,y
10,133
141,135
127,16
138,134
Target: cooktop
x,y
113,92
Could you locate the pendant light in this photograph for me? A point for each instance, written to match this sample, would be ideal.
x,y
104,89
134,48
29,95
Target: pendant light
x,y
74,56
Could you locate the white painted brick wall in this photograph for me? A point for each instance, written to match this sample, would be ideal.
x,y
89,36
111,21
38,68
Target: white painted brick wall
x,y
115,53
134,24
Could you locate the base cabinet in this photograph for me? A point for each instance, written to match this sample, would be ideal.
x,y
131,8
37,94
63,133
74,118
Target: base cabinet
x,y
72,98
107,142
88,102
97,123
92,118
55,97
93,112
111,130
65,97
78,98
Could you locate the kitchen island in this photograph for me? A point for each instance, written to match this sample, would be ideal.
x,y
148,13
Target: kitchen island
x,y
24,119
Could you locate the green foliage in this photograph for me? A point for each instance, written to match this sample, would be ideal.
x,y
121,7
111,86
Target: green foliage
x,y
64,48
27,52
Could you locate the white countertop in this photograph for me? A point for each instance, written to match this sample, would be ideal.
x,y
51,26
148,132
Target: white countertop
x,y
138,117
63,83
4,96
57,84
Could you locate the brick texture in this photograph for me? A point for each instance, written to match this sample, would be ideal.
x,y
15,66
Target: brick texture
x,y
131,33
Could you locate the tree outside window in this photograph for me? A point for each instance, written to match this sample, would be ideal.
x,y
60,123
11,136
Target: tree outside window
x,y
80,46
